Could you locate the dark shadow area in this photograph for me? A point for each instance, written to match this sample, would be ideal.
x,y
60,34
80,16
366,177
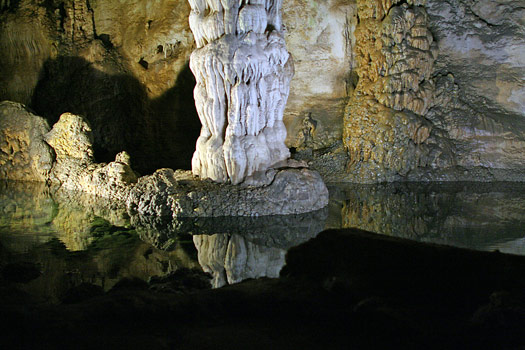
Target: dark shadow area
x,y
177,122
9,6
344,289
156,133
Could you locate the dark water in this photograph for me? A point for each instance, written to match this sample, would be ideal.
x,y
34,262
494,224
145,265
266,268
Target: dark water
x,y
62,239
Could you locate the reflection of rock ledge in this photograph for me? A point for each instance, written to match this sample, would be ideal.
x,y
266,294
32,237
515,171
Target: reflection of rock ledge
x,y
232,249
178,194
282,231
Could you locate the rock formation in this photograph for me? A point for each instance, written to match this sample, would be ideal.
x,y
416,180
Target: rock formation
x,y
435,87
319,36
385,132
75,168
62,156
243,73
179,194
428,104
23,153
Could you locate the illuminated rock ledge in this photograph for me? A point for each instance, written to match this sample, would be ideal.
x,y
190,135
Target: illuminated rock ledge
x,y
179,194
287,188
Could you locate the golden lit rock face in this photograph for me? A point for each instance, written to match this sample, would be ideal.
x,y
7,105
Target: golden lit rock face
x,y
75,168
23,153
384,131
71,138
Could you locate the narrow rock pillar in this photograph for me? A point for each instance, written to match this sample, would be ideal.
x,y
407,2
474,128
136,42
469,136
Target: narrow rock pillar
x,y
243,74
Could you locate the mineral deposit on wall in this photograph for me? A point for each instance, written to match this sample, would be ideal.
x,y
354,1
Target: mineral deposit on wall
x,y
440,92
385,133
243,72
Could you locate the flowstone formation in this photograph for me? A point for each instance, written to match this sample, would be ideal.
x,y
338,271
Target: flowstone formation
x,y
243,74
385,132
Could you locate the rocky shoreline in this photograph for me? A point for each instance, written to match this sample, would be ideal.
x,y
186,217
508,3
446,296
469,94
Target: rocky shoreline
x,y
63,157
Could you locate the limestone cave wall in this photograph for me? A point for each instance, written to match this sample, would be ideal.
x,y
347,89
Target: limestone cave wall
x,y
384,90
439,93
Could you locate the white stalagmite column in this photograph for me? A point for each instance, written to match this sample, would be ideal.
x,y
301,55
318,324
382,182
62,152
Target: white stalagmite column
x,y
243,74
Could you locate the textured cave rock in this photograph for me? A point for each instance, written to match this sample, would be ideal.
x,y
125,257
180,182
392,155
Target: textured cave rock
x,y
480,100
75,168
140,55
24,155
125,68
319,36
243,73
439,92
457,115
62,155
385,131
179,194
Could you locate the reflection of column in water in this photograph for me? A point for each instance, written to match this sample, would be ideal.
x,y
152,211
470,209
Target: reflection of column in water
x,y
232,258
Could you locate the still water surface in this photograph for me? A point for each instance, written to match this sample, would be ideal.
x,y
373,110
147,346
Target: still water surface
x,y
72,238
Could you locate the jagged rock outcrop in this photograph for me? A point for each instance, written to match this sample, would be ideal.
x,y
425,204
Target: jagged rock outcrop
x,y
75,168
24,155
63,155
243,73
438,96
178,194
385,131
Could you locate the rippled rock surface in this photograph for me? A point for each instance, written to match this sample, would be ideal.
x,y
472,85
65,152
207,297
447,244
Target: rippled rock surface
x,y
243,74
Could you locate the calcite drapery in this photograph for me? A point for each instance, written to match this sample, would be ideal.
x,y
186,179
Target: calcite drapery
x,y
243,74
